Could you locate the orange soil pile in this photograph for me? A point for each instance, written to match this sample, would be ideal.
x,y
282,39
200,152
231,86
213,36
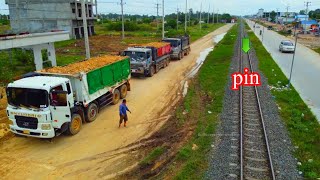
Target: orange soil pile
x,y
157,44
152,44
84,66
4,128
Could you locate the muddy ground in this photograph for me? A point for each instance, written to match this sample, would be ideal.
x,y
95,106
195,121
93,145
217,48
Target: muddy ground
x,y
101,149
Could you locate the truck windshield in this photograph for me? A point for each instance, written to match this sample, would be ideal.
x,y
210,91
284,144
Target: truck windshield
x,y
31,98
174,43
136,56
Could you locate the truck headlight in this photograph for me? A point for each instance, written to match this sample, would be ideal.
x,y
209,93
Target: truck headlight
x,y
45,126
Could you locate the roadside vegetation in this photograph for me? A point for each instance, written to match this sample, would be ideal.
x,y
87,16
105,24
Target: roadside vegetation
x,y
302,125
210,85
189,135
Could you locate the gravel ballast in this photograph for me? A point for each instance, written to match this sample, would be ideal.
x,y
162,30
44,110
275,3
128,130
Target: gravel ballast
x,y
224,160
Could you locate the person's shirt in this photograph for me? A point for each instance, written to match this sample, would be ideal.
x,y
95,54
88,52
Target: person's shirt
x,y
123,109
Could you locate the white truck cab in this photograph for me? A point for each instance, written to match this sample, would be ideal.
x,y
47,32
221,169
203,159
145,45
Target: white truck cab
x,y
38,106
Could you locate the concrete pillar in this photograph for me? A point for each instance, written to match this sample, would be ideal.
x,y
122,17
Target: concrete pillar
x,y
52,54
38,61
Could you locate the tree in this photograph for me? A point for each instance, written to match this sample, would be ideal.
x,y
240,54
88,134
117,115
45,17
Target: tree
x,y
315,14
273,16
302,12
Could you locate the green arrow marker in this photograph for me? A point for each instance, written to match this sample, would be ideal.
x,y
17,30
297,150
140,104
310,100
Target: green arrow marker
x,y
245,45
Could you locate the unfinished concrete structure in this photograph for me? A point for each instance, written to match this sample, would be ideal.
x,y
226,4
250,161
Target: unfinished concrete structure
x,y
36,16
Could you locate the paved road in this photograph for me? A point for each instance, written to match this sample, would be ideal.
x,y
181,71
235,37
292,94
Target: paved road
x,y
306,72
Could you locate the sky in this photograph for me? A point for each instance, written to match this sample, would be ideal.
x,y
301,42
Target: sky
x,y
234,7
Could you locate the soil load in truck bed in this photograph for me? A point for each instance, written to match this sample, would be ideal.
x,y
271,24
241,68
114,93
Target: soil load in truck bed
x,y
84,66
163,48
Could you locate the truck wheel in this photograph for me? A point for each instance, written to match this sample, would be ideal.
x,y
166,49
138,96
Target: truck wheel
x,y
123,91
75,125
92,112
182,55
151,71
116,97
179,56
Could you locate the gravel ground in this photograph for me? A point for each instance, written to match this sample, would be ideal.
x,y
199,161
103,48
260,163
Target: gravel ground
x,y
224,157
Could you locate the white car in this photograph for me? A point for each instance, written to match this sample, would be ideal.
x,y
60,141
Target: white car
x,y
286,46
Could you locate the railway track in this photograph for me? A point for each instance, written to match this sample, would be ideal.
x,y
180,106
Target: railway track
x,y
255,158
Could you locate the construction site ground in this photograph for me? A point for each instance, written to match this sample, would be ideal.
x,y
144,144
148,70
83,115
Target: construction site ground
x,y
101,149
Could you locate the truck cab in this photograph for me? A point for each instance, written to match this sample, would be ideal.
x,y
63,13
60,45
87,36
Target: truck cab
x,y
141,60
180,46
40,106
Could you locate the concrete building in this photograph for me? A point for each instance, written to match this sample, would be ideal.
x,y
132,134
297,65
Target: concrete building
x,y
36,16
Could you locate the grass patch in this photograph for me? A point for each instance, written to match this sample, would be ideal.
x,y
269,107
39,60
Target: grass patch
x,y
317,50
302,125
4,28
157,152
209,85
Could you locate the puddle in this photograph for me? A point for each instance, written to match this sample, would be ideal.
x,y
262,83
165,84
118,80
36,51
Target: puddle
x,y
218,38
200,60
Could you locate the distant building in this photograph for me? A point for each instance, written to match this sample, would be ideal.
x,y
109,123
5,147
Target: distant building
x,y
47,15
260,13
302,17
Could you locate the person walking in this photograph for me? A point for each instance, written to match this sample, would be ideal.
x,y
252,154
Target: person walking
x,y
123,113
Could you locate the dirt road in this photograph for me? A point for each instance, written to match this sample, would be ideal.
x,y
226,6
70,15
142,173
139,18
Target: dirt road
x,y
101,149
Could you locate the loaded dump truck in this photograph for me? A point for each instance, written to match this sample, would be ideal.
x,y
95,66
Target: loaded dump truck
x,y
61,99
148,59
180,46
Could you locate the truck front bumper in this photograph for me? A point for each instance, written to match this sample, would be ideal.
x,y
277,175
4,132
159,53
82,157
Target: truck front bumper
x,y
38,133
138,71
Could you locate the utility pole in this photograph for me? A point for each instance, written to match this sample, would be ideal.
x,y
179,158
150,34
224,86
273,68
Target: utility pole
x,y
213,16
294,53
186,18
307,9
162,19
277,16
157,16
85,28
96,2
218,16
200,16
208,15
177,18
122,19
287,13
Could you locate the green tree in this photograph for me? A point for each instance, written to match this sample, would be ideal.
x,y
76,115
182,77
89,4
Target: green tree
x,y
302,12
273,16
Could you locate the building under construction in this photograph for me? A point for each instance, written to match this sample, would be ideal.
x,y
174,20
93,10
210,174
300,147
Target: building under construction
x,y
48,15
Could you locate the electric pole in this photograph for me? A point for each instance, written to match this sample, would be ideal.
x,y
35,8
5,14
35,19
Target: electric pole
x,y
157,16
85,28
208,15
213,16
96,8
218,16
307,8
186,18
287,13
122,19
200,16
177,19
162,19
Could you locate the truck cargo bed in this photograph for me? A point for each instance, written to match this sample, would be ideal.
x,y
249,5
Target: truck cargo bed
x,y
84,66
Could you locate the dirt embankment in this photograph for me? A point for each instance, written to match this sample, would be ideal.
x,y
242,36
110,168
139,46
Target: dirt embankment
x,y
103,44
4,128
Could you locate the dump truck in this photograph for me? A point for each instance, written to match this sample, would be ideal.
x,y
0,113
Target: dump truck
x,y
47,103
180,46
148,59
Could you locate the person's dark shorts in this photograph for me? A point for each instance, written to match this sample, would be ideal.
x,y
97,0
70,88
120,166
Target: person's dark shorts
x,y
123,118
